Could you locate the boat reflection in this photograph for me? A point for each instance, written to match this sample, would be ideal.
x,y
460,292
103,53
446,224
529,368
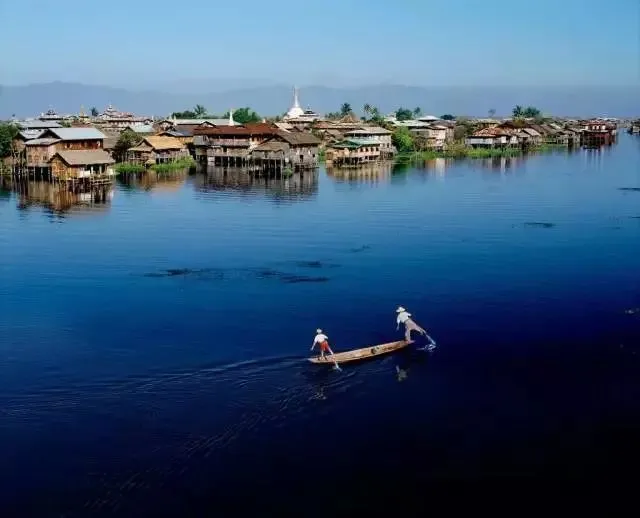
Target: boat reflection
x,y
158,182
372,173
300,185
60,199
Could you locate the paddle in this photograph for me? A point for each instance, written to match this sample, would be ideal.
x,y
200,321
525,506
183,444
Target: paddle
x,y
431,346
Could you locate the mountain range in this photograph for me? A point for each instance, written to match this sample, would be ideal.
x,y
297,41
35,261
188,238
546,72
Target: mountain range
x,y
274,99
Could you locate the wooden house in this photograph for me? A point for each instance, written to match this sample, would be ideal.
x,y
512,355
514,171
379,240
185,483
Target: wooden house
x,y
595,133
75,139
157,150
352,153
38,154
493,137
231,145
81,164
373,133
434,136
304,148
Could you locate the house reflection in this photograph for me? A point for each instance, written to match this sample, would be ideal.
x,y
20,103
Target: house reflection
x,y
166,181
61,200
370,173
299,185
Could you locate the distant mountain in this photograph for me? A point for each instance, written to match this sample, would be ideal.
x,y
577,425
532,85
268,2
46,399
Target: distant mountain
x,y
614,101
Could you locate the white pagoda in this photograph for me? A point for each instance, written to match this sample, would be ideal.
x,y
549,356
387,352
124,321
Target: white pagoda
x,y
297,114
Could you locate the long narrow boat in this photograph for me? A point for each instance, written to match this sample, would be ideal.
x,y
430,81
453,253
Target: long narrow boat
x,y
360,354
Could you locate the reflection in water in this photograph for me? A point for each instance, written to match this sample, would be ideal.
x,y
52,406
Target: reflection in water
x,y
372,173
165,181
58,198
299,185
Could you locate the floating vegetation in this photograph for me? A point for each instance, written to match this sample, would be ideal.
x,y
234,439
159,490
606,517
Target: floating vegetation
x,y
218,274
359,249
629,189
539,224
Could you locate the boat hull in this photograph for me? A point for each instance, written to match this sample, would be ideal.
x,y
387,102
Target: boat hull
x,y
360,354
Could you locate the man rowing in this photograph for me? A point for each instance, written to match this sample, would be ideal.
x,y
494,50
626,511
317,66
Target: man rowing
x,y
404,317
322,341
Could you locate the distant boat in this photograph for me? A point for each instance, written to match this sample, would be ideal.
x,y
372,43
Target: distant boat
x,y
360,354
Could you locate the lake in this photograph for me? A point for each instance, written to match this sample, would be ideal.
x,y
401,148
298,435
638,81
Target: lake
x,y
154,336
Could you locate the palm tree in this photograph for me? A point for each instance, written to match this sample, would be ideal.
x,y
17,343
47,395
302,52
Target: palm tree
x,y
492,112
367,109
518,111
345,109
417,112
200,111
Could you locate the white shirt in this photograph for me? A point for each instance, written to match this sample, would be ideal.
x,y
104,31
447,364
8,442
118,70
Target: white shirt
x,y
320,338
403,316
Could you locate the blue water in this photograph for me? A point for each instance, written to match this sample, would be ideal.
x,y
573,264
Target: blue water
x,y
152,347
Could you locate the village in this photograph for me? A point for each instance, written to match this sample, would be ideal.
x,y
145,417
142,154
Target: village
x,y
94,148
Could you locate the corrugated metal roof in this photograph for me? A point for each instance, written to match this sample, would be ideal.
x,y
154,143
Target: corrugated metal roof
x,y
38,124
31,133
42,141
372,130
86,157
78,133
141,128
196,122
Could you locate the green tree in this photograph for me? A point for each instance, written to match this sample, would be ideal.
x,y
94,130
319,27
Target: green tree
x,y
243,115
126,141
8,132
345,109
367,109
187,114
403,140
447,117
404,114
376,116
492,113
531,112
463,130
417,111
94,112
517,112
200,111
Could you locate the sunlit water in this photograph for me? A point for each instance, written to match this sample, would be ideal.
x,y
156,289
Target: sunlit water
x,y
153,343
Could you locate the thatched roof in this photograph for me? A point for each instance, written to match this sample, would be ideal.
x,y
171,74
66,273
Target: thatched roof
x,y
160,143
85,157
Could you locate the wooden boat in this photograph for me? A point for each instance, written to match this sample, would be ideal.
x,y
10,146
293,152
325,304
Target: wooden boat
x,y
360,354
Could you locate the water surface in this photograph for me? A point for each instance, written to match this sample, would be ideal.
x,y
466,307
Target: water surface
x,y
153,341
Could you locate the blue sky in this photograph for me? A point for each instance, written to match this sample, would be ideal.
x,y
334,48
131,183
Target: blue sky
x,y
330,42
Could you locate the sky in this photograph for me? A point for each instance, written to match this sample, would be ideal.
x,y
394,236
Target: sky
x,y
162,43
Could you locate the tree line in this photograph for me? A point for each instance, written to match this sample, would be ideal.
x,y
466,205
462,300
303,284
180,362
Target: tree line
x,y
241,115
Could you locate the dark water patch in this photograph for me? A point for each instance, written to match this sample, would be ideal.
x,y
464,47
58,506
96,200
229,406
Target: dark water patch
x,y
178,272
629,189
359,249
315,264
287,278
219,274
539,224
634,217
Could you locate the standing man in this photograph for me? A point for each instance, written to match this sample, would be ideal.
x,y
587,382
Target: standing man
x,y
322,341
409,325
